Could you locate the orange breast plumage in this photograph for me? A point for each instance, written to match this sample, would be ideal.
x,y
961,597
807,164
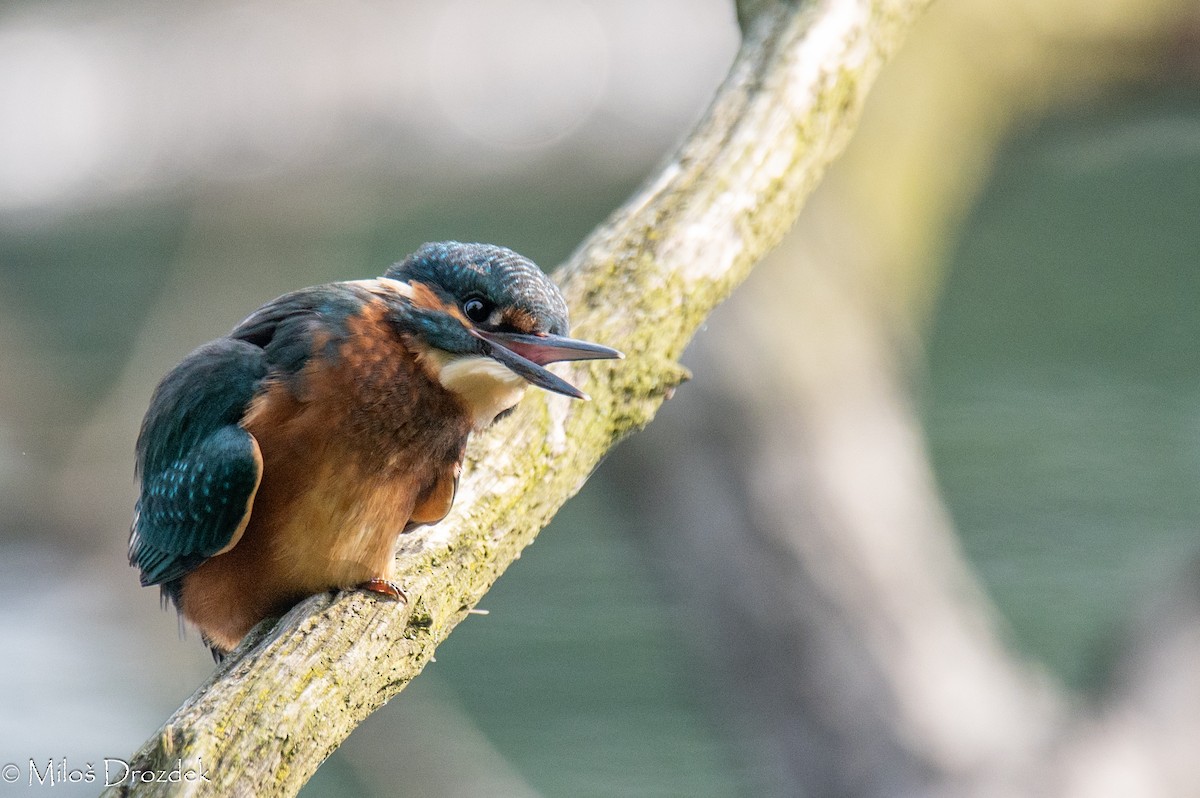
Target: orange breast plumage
x,y
359,444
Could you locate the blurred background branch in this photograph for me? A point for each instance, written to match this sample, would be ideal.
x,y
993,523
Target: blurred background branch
x,y
879,668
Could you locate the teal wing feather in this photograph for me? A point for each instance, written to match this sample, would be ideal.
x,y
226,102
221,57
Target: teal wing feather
x,y
198,469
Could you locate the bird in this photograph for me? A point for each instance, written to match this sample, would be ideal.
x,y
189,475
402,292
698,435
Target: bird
x,y
286,458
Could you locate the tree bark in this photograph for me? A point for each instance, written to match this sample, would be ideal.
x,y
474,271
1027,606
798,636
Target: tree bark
x,y
643,282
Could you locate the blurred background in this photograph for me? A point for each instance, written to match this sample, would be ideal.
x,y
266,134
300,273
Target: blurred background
x,y
962,396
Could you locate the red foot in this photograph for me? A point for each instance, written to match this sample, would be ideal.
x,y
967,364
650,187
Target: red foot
x,y
384,588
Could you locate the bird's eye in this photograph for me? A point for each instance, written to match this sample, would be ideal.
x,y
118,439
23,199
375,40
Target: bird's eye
x,y
476,309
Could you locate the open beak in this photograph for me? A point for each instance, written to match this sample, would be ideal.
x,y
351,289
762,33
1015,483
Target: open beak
x,y
527,354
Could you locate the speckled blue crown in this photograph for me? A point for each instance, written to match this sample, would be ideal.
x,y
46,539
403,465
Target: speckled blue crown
x,y
508,277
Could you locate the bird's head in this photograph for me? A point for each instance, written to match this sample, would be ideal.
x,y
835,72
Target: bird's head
x,y
490,319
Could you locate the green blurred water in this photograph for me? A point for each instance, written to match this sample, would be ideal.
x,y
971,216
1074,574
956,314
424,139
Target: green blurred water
x,y
1063,397
579,676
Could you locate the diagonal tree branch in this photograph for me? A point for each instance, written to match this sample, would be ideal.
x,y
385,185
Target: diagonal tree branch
x,y
643,282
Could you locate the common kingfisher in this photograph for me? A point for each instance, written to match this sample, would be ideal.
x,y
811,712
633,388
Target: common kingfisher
x,y
286,458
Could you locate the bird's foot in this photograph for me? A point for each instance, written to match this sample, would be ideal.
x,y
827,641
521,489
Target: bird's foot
x,y
384,588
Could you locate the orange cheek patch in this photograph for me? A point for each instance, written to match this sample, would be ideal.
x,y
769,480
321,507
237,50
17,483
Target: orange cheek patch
x,y
520,320
425,297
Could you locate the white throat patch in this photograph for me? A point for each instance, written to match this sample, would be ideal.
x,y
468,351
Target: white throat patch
x,y
487,387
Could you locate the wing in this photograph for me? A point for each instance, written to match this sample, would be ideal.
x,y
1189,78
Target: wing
x,y
288,328
198,468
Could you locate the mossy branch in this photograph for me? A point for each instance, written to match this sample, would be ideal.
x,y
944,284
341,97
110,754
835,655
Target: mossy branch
x,y
643,282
